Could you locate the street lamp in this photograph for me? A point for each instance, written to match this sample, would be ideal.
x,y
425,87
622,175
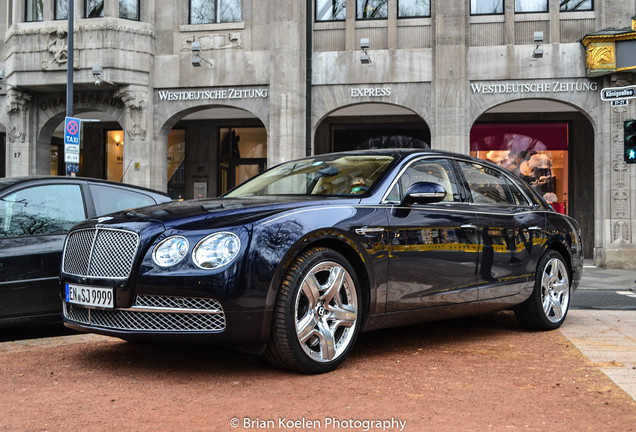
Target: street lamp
x,y
97,73
364,45
197,57
538,39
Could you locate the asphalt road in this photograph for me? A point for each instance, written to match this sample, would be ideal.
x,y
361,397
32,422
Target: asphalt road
x,y
604,299
34,332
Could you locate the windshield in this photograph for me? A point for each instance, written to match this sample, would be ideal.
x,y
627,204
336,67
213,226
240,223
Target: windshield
x,y
343,175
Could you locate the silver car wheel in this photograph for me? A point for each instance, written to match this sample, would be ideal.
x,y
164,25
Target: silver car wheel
x,y
555,290
326,311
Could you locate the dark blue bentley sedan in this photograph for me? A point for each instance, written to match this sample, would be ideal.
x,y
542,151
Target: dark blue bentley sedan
x,y
300,259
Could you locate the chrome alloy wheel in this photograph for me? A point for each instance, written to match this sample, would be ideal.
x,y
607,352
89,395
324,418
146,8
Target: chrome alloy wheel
x,y
555,290
326,311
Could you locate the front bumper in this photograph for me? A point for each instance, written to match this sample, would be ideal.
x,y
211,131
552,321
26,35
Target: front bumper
x,y
172,324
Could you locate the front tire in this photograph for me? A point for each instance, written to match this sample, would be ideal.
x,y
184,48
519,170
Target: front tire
x,y
548,305
317,313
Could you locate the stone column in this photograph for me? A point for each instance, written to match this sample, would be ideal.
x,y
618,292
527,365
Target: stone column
x,y
20,153
286,134
619,249
140,155
450,91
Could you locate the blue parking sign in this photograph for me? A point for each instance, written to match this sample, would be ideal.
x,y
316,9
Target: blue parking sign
x,y
72,131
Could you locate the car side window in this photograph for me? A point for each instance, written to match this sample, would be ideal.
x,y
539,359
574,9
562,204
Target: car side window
x,y
41,210
428,170
110,199
489,186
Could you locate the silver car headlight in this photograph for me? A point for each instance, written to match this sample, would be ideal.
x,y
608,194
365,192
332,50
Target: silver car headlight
x,y
216,250
170,251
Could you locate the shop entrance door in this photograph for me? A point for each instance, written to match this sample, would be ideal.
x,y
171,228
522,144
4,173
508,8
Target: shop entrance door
x,y
242,155
236,171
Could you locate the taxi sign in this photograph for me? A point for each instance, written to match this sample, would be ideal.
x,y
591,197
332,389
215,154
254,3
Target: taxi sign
x,y
71,139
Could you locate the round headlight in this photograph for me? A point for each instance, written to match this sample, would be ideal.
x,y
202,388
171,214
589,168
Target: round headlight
x,y
216,250
170,251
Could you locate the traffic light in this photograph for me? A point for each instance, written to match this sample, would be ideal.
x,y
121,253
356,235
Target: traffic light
x,y
629,141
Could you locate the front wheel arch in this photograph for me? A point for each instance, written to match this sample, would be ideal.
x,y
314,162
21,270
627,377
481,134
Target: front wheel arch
x,y
339,244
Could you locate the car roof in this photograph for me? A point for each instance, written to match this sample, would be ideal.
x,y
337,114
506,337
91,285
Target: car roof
x,y
8,182
403,152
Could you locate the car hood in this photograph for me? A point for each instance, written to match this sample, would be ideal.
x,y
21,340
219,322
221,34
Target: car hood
x,y
216,212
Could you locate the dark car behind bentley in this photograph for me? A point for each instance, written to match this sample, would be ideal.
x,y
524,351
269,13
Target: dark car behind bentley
x,y
300,259
35,215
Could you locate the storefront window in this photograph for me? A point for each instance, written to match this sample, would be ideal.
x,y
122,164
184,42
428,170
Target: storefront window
x,y
61,9
371,9
34,10
129,9
486,7
115,155
176,164
414,8
331,10
536,152
576,5
215,11
55,159
528,6
94,8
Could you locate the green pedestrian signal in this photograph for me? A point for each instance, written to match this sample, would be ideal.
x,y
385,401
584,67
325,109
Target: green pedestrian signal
x,y
629,141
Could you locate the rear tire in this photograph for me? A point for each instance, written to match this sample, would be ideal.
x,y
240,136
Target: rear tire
x,y
549,303
317,314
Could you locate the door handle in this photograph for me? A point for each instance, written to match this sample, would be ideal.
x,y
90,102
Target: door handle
x,y
469,227
369,230
535,228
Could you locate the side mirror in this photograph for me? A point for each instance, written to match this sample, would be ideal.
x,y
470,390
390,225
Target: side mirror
x,y
424,193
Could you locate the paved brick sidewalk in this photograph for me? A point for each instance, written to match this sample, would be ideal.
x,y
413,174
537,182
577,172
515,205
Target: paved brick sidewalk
x,y
607,338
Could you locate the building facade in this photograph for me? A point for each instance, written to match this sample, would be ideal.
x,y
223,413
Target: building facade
x,y
193,97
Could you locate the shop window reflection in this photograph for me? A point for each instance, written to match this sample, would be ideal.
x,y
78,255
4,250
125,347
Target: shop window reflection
x,y
537,153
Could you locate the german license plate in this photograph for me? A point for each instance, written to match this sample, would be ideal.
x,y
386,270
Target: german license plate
x,y
84,295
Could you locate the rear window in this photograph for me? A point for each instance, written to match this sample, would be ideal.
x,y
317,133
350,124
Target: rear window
x,y
112,199
41,210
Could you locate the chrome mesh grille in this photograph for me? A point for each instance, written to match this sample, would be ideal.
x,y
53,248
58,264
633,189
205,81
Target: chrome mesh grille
x,y
208,316
151,301
100,253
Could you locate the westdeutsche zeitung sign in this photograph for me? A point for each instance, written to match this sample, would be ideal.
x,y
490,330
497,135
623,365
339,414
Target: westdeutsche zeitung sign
x,y
534,87
213,94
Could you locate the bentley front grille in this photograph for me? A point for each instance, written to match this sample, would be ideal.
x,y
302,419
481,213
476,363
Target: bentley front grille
x,y
100,253
154,314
